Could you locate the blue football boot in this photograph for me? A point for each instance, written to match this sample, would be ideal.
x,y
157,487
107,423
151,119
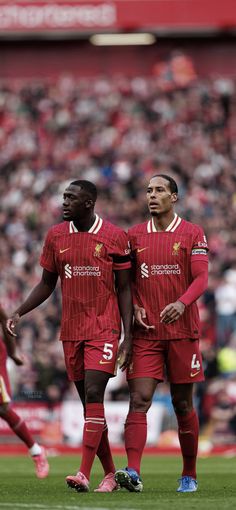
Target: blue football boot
x,y
129,479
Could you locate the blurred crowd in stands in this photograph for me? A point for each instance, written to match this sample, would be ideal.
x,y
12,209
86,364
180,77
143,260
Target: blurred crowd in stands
x,y
117,132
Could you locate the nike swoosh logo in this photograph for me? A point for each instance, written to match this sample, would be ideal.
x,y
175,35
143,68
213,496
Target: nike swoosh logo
x,y
193,374
141,249
104,362
90,430
66,249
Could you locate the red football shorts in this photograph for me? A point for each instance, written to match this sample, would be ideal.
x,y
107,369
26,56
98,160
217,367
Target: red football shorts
x,y
179,361
81,355
5,389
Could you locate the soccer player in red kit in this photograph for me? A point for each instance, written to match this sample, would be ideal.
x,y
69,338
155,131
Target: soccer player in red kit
x,y
91,257
18,426
171,272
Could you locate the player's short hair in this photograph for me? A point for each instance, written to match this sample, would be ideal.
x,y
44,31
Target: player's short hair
x,y
172,183
87,186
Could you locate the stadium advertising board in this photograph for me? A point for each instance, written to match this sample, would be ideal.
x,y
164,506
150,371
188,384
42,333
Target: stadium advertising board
x,y
65,423
87,16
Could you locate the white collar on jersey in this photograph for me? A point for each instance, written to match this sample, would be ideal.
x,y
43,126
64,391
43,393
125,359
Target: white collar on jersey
x,y
171,227
94,228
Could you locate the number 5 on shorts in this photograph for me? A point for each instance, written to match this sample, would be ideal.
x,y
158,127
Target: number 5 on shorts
x,y
107,350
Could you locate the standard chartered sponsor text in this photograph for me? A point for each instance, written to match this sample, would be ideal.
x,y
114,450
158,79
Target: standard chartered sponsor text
x,y
165,269
86,271
56,15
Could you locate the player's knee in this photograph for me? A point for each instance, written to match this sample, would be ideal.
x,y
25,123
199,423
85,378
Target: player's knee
x,y
94,395
3,410
140,402
181,406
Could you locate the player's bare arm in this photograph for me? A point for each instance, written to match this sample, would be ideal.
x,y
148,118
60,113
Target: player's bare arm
x,y
10,343
123,288
38,295
172,312
12,349
140,316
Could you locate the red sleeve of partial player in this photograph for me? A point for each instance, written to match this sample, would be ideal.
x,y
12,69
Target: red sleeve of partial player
x,y
199,269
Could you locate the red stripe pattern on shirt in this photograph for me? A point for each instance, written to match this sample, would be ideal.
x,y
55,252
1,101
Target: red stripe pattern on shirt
x,y
84,262
162,267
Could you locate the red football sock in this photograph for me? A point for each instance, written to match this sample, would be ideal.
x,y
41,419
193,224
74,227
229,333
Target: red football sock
x,y
93,429
19,427
104,453
135,438
188,438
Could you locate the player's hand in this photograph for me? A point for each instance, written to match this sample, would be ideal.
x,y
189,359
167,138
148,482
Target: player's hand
x,y
124,354
140,315
172,312
11,324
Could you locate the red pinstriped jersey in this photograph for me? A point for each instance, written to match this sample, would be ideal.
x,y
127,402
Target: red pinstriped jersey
x,y
162,267
85,262
3,355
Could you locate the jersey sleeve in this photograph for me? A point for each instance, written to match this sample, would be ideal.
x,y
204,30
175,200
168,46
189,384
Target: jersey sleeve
x,y
121,254
199,249
199,269
47,258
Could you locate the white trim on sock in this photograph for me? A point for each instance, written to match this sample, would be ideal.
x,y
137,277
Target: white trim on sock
x,y
35,449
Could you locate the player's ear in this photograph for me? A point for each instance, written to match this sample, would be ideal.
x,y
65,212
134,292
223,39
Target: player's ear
x,y
89,203
174,197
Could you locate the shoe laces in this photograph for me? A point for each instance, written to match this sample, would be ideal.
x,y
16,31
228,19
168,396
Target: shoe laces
x,y
39,459
186,481
106,479
82,476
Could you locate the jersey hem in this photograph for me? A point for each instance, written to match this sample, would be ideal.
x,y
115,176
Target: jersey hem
x,y
85,339
159,339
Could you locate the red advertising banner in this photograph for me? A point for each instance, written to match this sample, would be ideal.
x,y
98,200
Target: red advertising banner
x,y
107,15
35,415
65,423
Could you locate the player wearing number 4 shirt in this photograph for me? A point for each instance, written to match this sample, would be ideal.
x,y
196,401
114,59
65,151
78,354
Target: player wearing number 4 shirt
x,y
170,273
91,257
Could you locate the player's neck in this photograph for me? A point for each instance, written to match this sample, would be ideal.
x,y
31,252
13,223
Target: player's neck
x,y
84,224
162,221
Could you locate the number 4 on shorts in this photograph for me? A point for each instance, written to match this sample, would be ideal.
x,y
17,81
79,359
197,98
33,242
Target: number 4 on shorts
x,y
195,362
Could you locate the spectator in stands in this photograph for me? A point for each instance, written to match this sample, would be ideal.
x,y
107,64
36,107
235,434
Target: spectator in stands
x,y
225,298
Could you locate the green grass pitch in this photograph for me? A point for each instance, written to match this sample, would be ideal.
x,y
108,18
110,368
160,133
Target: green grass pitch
x,y
20,489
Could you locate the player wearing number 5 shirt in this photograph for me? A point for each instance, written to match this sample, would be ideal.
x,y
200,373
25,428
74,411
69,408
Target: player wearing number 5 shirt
x,y
170,273
91,257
